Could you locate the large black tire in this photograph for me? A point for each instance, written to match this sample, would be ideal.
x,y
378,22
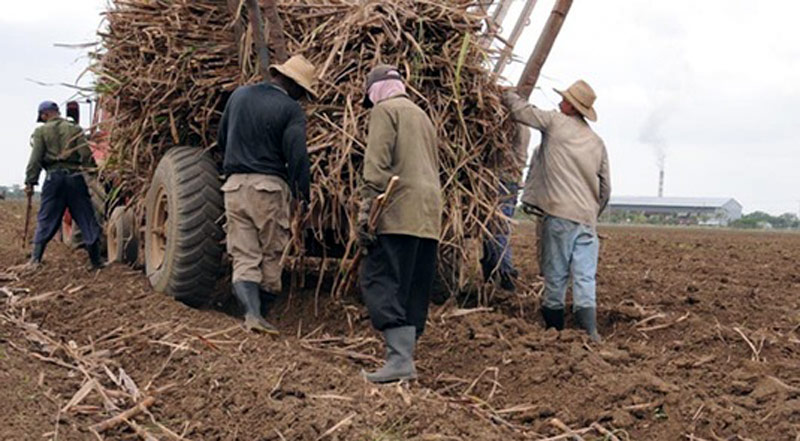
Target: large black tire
x,y
183,235
121,239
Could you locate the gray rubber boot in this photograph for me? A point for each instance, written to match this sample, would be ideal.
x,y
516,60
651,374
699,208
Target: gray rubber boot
x,y
553,318
399,356
587,319
249,296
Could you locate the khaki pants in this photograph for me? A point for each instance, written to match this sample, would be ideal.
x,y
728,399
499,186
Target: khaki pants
x,y
257,210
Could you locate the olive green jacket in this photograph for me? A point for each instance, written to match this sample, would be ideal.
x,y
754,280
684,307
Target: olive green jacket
x,y
402,142
57,144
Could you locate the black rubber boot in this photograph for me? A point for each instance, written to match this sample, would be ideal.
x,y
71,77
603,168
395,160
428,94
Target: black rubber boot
x,y
553,318
587,319
95,258
249,294
267,300
507,281
399,363
37,253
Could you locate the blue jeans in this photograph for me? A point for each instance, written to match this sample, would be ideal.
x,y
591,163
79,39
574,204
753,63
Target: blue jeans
x,y
497,250
568,247
64,189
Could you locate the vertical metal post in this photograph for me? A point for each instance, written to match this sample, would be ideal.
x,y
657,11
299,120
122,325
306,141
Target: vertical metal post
x,y
533,68
501,11
496,21
523,21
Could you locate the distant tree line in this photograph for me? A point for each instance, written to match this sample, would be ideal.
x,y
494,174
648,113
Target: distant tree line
x,y
15,191
761,220
638,217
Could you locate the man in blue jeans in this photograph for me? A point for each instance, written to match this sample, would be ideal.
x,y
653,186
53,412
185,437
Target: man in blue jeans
x,y
60,147
569,187
497,249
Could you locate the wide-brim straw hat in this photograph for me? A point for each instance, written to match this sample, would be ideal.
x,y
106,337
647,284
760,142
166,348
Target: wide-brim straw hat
x,y
582,98
299,70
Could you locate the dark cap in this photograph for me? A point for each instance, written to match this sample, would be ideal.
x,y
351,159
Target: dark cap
x,y
381,72
44,107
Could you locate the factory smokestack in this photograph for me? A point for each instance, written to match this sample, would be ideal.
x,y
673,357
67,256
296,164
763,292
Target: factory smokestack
x,y
661,183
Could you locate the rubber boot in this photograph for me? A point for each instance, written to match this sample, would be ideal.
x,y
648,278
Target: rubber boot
x,y
507,281
553,318
95,258
587,319
36,258
267,300
399,363
249,296
37,253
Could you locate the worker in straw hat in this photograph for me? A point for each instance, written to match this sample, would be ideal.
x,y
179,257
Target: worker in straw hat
x,y
569,187
263,136
397,274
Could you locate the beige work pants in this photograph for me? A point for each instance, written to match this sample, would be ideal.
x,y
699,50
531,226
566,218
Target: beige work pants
x,y
257,227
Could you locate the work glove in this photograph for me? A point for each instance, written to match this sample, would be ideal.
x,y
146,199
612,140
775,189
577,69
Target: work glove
x,y
29,190
365,237
510,97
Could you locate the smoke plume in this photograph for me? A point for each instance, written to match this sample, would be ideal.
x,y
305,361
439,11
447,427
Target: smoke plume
x,y
652,134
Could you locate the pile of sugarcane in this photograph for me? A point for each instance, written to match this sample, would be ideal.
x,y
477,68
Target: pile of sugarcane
x,y
166,68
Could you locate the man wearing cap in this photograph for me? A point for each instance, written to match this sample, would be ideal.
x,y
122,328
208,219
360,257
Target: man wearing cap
x,y
263,135
569,186
60,147
397,274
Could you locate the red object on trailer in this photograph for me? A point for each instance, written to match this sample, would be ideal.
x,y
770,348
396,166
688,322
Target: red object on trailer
x,y
74,111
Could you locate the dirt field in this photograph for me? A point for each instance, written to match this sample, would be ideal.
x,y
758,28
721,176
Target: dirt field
x,y
701,342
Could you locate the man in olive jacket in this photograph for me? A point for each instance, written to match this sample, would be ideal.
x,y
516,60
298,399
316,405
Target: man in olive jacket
x,y
397,274
60,147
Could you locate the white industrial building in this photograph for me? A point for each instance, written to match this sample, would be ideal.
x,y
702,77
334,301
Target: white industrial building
x,y
707,211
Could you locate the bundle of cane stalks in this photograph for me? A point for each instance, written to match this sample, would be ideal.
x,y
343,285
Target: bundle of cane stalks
x,y
166,68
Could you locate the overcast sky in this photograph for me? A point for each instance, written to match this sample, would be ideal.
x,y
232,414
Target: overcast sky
x,y
713,82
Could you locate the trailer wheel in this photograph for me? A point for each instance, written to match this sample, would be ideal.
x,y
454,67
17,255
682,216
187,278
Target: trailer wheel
x,y
121,240
183,236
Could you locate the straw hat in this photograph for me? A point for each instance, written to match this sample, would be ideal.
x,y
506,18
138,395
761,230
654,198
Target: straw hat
x,y
582,97
300,70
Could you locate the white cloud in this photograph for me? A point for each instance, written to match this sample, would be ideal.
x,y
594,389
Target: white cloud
x,y
48,11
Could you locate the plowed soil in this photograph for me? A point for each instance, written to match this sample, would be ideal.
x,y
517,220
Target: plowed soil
x,y
700,329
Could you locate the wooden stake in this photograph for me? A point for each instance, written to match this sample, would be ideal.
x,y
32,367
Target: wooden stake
x,y
257,22
276,38
533,68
